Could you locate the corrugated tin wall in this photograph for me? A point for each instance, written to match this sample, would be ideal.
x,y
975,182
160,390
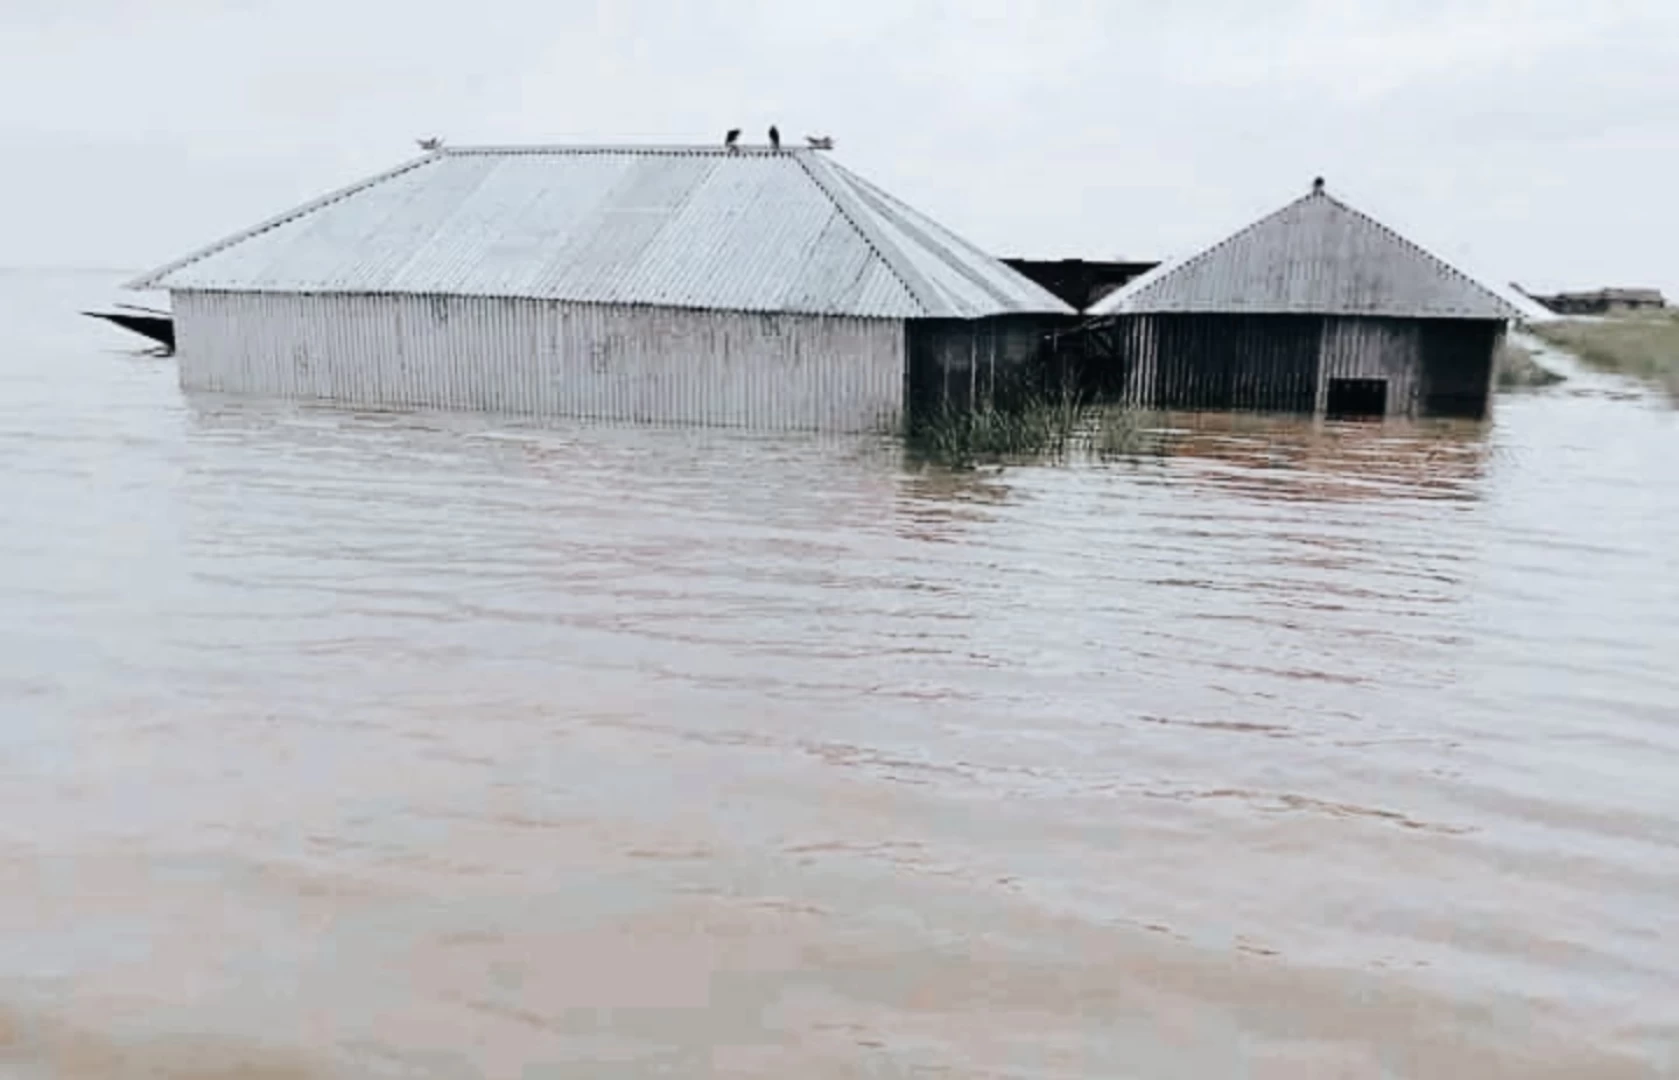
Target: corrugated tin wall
x,y
644,364
1284,363
1388,349
960,363
1457,366
1264,363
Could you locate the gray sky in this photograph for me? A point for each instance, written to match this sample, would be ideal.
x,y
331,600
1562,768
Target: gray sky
x,y
1526,139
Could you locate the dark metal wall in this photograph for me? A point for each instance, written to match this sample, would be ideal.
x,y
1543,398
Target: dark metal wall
x,y
1384,349
1457,358
961,363
1281,363
1252,363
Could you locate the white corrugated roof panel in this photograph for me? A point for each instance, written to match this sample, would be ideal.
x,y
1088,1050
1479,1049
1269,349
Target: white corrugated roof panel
x,y
960,271
751,230
1314,256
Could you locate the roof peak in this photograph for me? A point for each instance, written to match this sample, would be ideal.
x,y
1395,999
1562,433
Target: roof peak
x,y
1315,255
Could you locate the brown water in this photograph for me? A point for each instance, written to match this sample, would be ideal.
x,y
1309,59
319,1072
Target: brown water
x,y
338,744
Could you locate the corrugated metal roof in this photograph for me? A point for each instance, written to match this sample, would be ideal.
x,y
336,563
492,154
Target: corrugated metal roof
x,y
1316,255
694,227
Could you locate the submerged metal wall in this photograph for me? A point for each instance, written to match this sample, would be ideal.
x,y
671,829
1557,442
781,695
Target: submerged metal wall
x,y
1385,349
1457,366
960,363
646,364
1262,363
1284,363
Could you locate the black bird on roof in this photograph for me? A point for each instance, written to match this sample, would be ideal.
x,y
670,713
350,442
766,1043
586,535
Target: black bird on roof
x,y
731,137
775,138
1317,186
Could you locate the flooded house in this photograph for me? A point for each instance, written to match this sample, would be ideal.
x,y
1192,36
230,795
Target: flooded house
x,y
738,286
1315,309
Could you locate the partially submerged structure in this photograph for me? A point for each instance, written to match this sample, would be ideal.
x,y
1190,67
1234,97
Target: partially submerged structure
x,y
1314,309
150,323
746,287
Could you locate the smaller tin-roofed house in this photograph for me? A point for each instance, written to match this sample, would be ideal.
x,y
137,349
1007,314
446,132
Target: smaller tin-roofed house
x,y
749,286
1314,309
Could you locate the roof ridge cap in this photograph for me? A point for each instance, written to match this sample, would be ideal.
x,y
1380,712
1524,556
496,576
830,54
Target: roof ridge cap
x,y
650,149
920,290
961,254
924,229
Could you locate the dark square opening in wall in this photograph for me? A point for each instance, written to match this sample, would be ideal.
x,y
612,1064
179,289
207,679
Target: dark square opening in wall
x,y
1357,399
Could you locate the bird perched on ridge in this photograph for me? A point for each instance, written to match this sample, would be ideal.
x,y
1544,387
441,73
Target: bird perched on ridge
x,y
431,142
731,138
775,138
820,142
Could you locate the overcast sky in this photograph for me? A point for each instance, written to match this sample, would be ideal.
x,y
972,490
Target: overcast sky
x,y
1529,140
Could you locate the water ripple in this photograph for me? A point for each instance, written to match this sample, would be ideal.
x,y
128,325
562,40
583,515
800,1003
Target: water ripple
x,y
374,734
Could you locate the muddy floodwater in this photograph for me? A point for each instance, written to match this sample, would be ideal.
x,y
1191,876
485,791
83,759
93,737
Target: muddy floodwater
x,y
348,744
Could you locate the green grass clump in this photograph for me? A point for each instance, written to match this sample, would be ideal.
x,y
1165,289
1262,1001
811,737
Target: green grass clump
x,y
1644,345
1033,427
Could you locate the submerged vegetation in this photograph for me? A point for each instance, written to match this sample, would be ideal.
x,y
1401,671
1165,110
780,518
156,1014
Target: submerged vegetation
x,y
1645,346
1035,426
1515,368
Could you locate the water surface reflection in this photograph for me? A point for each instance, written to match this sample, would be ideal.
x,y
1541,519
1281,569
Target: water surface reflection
x,y
379,744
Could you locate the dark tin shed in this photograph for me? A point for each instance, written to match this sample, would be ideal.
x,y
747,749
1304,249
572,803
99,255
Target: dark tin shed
x,y
1315,309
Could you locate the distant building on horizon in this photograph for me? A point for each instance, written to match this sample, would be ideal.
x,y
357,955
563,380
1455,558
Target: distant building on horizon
x,y
1315,309
756,288
1608,301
